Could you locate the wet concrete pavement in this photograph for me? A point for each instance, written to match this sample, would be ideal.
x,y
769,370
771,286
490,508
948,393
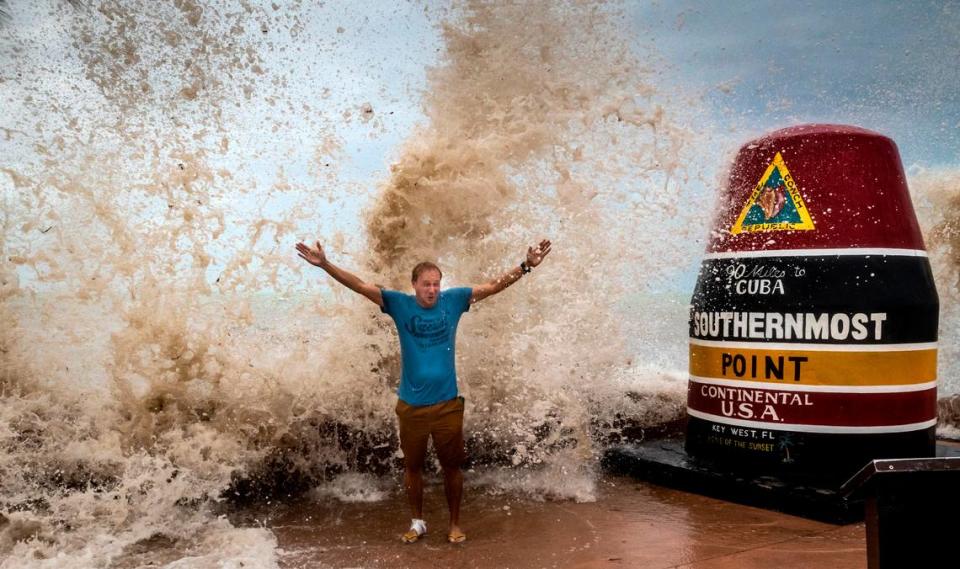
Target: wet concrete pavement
x,y
632,524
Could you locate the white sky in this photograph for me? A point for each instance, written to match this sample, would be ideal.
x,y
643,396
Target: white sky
x,y
764,64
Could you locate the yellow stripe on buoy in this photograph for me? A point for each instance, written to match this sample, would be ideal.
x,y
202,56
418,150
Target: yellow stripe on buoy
x,y
815,367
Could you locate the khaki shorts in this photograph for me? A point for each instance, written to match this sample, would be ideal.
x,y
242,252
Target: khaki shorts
x,y
443,421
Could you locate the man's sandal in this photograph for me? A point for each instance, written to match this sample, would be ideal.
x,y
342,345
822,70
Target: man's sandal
x,y
418,529
456,537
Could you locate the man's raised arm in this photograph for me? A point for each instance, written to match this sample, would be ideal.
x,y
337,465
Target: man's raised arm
x,y
534,257
317,258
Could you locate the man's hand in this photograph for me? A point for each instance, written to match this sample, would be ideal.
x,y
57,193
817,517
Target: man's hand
x,y
535,256
311,255
316,256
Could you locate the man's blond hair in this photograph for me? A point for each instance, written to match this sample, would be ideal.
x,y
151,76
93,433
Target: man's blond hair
x,y
424,266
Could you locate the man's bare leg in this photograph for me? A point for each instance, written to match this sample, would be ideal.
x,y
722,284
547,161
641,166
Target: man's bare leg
x,y
453,487
413,482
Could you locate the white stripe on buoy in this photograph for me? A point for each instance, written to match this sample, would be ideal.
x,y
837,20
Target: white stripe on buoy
x,y
810,428
846,252
821,388
808,347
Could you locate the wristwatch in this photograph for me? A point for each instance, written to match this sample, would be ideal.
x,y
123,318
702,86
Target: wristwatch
x,y
524,268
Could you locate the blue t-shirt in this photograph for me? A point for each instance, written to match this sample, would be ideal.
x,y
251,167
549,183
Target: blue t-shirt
x,y
427,340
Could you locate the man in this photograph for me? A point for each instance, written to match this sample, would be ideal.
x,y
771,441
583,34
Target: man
x,y
428,403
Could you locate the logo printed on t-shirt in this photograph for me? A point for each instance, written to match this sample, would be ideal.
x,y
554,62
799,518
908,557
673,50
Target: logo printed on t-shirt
x,y
428,331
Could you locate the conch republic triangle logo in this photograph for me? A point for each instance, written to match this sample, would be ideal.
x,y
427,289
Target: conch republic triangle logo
x,y
775,203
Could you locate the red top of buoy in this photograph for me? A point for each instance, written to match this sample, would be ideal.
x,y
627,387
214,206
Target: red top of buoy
x,y
816,186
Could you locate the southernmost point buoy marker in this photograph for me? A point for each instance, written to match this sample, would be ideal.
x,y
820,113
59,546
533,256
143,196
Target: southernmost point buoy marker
x,y
813,328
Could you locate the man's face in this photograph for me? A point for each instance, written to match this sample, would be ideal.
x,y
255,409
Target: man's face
x,y
427,288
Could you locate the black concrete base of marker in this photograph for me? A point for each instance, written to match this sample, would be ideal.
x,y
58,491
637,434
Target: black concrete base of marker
x,y
808,495
910,506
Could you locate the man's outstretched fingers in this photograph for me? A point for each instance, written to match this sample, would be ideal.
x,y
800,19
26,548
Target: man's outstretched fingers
x,y
535,255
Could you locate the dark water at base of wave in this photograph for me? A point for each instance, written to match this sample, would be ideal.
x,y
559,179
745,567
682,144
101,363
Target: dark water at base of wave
x,y
291,469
